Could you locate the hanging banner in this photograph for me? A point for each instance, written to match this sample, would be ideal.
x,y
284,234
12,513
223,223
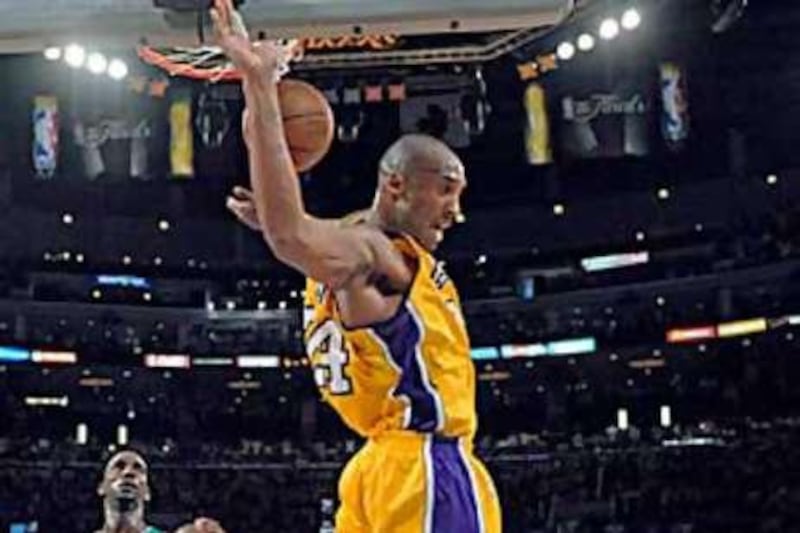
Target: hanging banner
x,y
113,146
181,147
675,106
45,136
605,124
537,131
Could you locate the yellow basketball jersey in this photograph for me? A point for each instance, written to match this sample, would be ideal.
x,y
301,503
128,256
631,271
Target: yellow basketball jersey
x,y
411,372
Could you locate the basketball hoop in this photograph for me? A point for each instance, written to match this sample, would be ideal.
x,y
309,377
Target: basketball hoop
x,y
209,63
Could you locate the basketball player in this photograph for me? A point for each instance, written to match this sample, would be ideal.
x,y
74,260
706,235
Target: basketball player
x,y
383,328
125,490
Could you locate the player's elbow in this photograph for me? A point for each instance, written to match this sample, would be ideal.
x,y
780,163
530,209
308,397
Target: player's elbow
x,y
286,245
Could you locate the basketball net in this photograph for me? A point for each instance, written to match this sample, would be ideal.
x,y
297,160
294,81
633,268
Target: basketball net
x,y
209,63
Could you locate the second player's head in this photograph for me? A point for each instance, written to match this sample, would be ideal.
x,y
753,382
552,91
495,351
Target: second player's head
x,y
125,487
419,188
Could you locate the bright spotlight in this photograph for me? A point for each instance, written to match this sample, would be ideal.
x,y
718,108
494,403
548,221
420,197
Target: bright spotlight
x,y
565,51
631,19
75,55
52,53
96,63
585,42
117,69
609,29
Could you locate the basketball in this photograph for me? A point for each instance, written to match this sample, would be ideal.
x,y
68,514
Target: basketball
x,y
307,122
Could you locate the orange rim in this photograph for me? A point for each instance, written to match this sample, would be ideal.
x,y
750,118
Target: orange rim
x,y
159,59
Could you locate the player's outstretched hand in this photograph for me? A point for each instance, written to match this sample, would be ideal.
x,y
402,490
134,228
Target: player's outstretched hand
x,y
254,60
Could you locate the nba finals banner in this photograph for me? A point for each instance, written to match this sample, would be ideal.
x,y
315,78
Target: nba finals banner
x,y
605,124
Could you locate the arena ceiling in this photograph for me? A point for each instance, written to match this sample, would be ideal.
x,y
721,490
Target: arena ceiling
x,y
33,24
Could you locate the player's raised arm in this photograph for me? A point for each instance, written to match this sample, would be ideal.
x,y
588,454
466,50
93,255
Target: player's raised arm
x,y
323,250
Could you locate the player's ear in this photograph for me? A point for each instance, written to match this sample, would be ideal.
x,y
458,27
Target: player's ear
x,y
394,183
101,489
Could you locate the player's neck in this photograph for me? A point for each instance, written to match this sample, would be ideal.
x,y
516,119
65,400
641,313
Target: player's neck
x,y
130,522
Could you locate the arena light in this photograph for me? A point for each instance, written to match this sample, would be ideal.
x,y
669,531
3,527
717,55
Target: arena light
x,y
622,419
52,53
772,179
794,320
96,382
213,361
135,282
67,218
572,346
117,69
258,361
585,42
96,63
631,19
163,225
558,209
122,435
47,401
75,55
154,360
50,357
12,354
742,327
679,335
665,416
663,193
609,29
645,364
81,434
511,351
483,353
607,262
244,385
565,51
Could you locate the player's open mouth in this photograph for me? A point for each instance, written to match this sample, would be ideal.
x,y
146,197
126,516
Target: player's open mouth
x,y
128,486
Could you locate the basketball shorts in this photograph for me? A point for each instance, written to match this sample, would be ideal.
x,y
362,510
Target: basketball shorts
x,y
405,482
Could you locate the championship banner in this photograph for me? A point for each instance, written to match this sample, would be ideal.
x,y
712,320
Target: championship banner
x,y
537,131
605,124
439,115
181,146
45,136
113,146
675,106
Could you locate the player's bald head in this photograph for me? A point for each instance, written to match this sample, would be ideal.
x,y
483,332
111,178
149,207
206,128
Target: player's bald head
x,y
418,154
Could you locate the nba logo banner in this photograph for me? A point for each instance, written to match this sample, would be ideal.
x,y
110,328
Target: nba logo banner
x,y
675,106
45,136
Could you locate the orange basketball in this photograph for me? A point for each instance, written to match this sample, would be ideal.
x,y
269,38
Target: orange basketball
x,y
307,122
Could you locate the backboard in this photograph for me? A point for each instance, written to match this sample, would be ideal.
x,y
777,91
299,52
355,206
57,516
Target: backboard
x,y
32,25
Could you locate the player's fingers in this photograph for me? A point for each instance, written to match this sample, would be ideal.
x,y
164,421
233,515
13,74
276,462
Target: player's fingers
x,y
244,211
242,193
223,10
